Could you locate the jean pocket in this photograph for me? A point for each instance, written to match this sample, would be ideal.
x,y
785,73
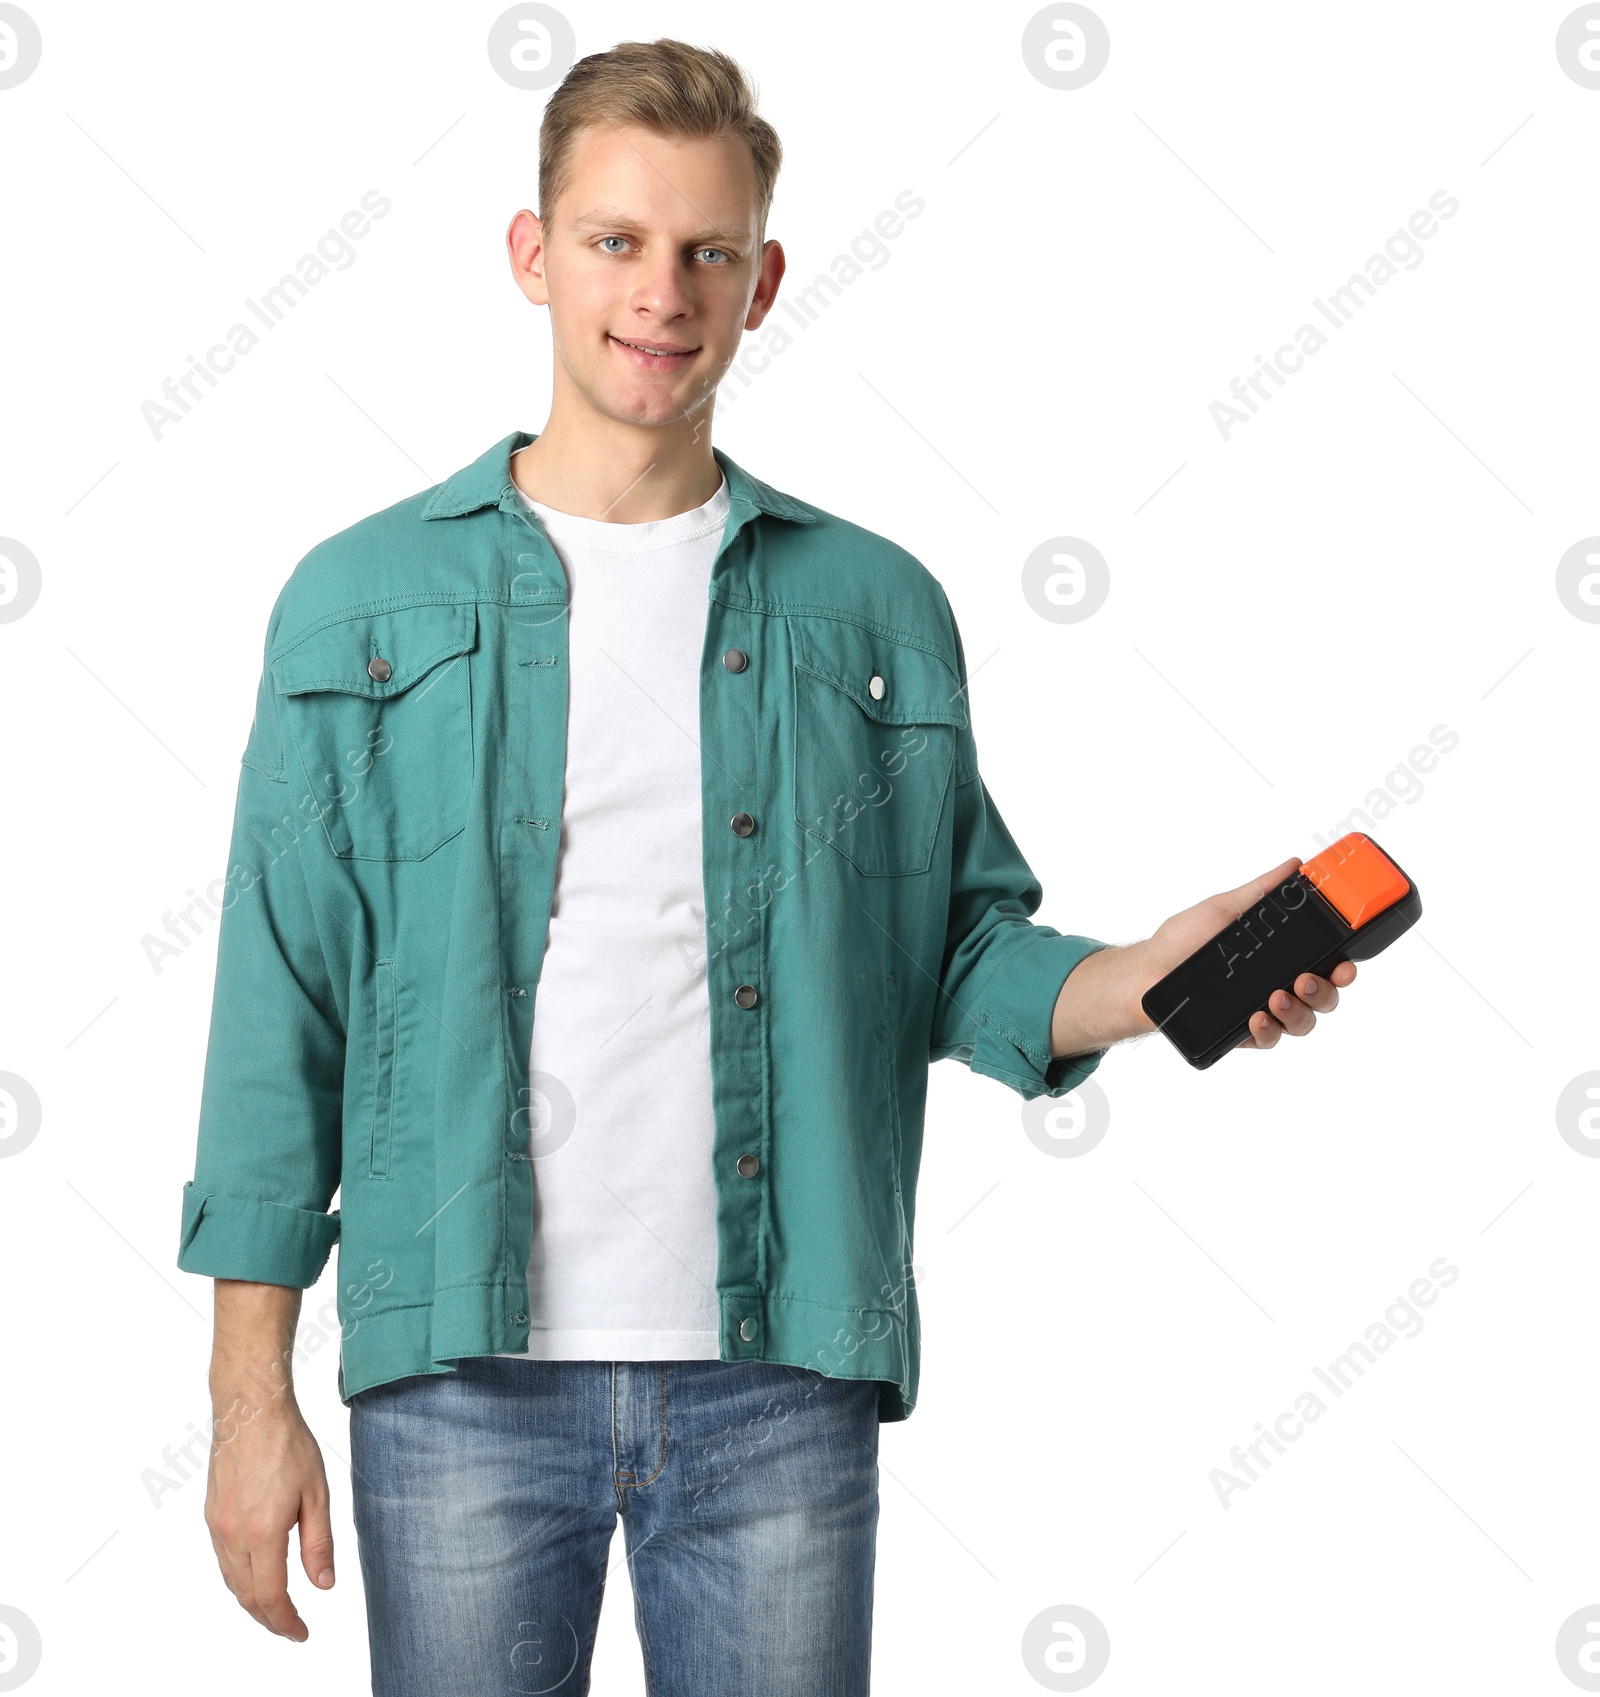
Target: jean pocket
x,y
875,724
379,708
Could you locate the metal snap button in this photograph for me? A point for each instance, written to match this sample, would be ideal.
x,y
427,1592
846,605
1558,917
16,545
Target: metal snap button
x,y
379,669
748,1166
736,659
743,824
876,687
745,995
747,1329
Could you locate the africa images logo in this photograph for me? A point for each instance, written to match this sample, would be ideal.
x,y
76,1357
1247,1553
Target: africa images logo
x,y
1401,252
1400,1320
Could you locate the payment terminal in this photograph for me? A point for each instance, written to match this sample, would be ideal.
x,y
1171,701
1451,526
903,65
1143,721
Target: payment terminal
x,y
1348,903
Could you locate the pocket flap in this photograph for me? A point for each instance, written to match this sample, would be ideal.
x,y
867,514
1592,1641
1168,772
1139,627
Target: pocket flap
x,y
918,687
412,640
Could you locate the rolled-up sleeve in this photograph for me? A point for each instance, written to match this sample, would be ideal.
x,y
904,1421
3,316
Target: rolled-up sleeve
x,y
268,1158
1002,972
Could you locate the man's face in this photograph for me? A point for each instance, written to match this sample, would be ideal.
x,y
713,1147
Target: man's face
x,y
650,265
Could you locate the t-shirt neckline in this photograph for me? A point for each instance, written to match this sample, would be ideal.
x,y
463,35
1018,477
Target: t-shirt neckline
x,y
602,534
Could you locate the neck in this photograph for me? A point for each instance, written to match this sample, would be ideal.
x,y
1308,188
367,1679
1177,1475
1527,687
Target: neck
x,y
625,474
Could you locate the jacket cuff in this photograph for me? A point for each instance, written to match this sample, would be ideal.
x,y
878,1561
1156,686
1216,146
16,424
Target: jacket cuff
x,y
239,1237
1016,1012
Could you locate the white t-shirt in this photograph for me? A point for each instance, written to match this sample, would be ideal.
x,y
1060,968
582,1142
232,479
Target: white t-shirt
x,y
624,1262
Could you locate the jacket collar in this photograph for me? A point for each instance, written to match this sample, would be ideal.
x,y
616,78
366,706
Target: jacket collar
x,y
487,483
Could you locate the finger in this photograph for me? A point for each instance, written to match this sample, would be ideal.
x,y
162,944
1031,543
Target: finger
x,y
1247,895
269,1581
235,1565
1291,1013
1317,993
245,1594
316,1540
1264,1032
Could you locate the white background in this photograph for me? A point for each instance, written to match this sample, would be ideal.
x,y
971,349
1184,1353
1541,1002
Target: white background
x,y
1372,556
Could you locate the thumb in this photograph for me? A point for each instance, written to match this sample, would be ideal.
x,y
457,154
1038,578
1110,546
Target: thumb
x,y
316,1541
1247,895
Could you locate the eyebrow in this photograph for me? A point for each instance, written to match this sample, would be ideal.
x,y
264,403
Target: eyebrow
x,y
612,218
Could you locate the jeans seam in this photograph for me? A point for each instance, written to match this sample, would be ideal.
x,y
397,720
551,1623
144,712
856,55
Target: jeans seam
x,y
594,1619
644,1645
616,1449
661,1381
630,1480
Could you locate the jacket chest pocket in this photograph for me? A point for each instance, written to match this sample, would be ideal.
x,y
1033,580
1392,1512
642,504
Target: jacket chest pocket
x,y
875,724
380,712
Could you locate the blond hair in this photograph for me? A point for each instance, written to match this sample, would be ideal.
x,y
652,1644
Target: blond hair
x,y
665,86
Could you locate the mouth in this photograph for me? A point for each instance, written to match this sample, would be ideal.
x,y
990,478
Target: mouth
x,y
654,356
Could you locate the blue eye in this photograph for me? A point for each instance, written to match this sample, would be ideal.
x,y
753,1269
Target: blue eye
x,y
720,255
605,239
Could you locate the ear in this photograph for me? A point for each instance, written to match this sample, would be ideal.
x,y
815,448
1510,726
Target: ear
x,y
773,265
525,248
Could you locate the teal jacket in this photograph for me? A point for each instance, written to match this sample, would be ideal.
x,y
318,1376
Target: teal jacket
x,y
388,893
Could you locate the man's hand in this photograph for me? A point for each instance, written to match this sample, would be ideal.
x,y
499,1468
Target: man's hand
x,y
1293,1009
1099,1003
266,1471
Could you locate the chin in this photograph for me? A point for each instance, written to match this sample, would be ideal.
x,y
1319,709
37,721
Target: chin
x,y
651,409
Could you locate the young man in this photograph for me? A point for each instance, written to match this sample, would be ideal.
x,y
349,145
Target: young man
x,y
611,860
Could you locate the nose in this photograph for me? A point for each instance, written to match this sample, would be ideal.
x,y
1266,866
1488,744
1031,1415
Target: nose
x,y
660,289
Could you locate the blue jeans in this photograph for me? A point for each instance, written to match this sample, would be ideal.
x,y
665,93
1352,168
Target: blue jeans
x,y
485,1502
